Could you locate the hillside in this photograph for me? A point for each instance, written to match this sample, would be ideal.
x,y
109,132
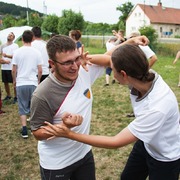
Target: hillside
x,y
14,10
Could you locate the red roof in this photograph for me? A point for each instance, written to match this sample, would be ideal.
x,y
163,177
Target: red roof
x,y
160,14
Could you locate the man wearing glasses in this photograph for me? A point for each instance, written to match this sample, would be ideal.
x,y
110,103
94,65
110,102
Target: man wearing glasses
x,y
67,88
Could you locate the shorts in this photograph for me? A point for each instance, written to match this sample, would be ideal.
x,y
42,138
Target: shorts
x,y
84,169
108,71
6,76
24,94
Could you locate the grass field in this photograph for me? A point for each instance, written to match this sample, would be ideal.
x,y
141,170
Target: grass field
x,y
19,158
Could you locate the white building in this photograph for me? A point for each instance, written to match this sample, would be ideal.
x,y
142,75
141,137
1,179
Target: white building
x,y
166,21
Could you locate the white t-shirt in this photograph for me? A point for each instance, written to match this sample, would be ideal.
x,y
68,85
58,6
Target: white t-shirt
x,y
109,45
27,59
147,51
9,50
41,46
157,121
61,152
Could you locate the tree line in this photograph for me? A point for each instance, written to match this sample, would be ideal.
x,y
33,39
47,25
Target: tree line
x,y
13,15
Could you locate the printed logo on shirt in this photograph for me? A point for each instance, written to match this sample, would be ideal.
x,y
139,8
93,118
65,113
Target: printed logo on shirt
x,y
87,93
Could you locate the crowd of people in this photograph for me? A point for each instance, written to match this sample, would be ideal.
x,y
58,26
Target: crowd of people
x,y
52,85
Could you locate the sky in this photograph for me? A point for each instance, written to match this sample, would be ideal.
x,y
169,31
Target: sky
x,y
96,11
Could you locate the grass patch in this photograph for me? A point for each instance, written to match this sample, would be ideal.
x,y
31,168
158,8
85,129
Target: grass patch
x,y
19,158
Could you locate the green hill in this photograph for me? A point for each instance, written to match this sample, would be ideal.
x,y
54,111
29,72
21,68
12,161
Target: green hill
x,y
14,10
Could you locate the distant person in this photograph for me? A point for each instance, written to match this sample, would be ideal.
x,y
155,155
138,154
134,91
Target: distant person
x,y
40,45
149,53
76,36
174,62
6,51
119,35
155,131
109,45
27,71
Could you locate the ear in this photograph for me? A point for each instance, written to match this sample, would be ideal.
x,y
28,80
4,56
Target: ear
x,y
51,62
123,73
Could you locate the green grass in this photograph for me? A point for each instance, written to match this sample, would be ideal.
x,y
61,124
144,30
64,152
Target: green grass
x,y
19,158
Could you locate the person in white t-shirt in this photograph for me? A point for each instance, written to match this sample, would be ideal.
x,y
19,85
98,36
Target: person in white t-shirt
x,y
40,45
26,71
155,129
149,53
67,88
7,51
109,45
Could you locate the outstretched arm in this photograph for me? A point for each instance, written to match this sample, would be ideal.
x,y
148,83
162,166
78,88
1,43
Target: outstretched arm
x,y
121,139
105,59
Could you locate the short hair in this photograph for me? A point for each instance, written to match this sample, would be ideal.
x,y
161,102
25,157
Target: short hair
x,y
134,34
59,43
76,34
37,31
27,36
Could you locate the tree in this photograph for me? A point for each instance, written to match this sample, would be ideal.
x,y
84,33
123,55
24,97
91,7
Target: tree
x,y
125,10
151,34
35,20
9,21
70,20
50,24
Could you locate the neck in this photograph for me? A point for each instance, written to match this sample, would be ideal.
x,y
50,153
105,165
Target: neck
x,y
27,44
141,87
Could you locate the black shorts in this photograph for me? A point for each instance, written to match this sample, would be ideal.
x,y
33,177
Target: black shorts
x,y
6,76
108,71
84,169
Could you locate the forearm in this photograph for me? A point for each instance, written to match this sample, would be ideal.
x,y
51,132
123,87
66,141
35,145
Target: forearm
x,y
41,134
120,140
100,59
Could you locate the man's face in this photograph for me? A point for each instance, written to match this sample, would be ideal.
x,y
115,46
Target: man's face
x,y
66,66
10,37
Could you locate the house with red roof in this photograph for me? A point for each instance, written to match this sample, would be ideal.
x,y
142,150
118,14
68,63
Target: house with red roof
x,y
166,21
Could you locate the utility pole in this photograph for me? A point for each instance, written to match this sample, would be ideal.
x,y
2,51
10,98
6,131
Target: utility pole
x,y
27,13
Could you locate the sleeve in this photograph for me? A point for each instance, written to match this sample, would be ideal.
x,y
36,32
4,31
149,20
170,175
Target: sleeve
x,y
147,51
40,112
146,126
95,72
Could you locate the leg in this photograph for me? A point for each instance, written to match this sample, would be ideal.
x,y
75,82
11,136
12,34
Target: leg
x,y
136,167
7,89
163,170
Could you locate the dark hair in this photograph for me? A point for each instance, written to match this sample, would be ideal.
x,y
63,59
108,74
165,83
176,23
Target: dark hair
x,y
59,43
37,31
27,36
133,61
76,34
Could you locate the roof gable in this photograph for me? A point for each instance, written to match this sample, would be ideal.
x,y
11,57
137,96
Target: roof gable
x,y
160,14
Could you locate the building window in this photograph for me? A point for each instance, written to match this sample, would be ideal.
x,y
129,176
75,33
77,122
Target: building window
x,y
161,30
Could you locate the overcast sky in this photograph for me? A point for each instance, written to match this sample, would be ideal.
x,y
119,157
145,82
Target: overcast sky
x,y
93,10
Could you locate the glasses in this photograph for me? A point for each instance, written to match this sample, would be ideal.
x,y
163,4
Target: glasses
x,y
70,62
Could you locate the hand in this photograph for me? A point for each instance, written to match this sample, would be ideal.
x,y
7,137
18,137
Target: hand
x,y
140,40
56,130
85,59
72,120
